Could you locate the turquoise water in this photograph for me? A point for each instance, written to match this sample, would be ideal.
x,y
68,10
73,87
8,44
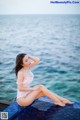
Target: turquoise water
x,y
55,39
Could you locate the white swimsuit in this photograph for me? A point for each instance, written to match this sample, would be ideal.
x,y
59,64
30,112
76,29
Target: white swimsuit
x,y
26,83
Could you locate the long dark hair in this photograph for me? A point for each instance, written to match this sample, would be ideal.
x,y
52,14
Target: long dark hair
x,y
19,62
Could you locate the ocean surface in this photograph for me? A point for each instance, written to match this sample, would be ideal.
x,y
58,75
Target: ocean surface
x,y
55,39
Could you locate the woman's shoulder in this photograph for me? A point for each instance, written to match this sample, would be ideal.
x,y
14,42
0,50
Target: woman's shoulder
x,y
20,72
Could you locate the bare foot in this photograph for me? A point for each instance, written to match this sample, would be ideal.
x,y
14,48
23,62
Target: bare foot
x,y
59,103
65,101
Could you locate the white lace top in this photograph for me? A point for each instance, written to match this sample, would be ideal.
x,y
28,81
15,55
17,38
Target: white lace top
x,y
26,83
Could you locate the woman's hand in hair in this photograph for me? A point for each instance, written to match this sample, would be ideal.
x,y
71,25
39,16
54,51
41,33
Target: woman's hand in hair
x,y
35,61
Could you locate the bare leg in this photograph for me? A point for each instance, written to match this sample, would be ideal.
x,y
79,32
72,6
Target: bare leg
x,y
41,94
52,96
64,100
27,100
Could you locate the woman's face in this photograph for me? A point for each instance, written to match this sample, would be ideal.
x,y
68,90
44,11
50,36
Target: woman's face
x,y
26,61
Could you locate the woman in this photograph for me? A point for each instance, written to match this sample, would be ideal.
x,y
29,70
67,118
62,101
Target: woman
x,y
25,94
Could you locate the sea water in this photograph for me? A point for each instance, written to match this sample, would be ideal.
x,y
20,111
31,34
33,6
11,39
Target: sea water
x,y
55,39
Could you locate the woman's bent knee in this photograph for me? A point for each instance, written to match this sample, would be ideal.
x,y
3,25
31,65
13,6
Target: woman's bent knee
x,y
41,86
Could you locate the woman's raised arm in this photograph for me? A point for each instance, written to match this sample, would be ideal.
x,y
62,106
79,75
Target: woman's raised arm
x,y
35,61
